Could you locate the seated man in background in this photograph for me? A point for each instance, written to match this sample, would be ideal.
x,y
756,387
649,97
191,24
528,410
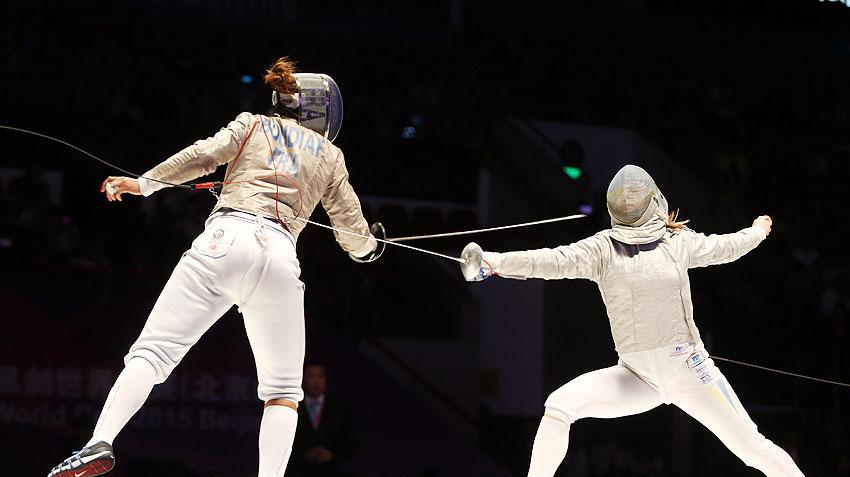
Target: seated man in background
x,y
325,436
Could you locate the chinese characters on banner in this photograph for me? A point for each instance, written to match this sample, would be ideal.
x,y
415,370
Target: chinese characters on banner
x,y
45,396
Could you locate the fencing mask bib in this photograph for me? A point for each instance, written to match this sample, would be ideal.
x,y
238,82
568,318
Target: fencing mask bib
x,y
317,104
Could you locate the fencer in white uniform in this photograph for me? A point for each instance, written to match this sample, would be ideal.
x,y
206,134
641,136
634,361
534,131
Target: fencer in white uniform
x,y
641,267
278,166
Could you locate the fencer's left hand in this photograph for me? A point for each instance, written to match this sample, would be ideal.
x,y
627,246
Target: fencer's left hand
x,y
114,187
765,222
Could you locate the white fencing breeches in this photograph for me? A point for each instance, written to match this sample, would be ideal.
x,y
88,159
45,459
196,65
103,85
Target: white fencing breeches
x,y
238,259
682,375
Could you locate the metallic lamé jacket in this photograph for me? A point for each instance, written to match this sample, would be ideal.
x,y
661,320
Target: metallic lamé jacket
x,y
645,288
269,145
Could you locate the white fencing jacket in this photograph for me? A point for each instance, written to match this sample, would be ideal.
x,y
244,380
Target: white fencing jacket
x,y
645,287
265,146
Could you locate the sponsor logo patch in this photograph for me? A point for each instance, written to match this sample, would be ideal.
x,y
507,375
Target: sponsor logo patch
x,y
678,350
695,359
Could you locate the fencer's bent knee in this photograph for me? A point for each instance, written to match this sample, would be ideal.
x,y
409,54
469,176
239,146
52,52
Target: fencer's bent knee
x,y
156,357
557,407
558,416
142,363
754,450
762,454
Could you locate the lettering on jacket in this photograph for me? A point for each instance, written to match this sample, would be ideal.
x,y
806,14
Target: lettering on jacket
x,y
288,143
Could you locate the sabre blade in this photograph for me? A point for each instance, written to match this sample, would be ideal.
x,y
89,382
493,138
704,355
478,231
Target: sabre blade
x,y
409,247
489,229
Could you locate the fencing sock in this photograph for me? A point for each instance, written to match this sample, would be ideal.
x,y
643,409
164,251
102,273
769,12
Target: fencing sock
x,y
550,446
277,431
129,392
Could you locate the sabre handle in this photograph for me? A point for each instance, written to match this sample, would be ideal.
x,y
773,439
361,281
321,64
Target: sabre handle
x,y
475,269
205,185
377,229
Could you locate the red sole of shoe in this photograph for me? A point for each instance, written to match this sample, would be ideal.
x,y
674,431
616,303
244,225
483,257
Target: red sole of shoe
x,y
92,469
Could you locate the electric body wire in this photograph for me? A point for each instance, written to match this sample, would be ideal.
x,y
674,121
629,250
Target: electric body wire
x,y
779,371
83,151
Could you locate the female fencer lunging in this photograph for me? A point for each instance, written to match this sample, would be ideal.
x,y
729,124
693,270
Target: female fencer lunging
x,y
278,166
641,267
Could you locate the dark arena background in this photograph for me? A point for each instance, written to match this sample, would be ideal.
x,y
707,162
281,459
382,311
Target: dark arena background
x,y
459,114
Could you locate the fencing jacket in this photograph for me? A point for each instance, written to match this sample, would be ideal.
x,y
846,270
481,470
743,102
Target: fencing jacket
x,y
645,287
266,146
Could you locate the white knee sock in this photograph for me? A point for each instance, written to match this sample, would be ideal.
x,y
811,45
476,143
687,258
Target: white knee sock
x,y
129,392
277,431
550,446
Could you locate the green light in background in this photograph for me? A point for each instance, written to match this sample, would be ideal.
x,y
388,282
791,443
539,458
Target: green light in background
x,y
573,172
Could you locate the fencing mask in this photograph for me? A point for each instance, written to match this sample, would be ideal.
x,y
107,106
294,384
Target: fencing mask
x,y
317,104
637,207
630,196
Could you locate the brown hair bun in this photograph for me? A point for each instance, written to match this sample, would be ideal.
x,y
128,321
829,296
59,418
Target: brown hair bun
x,y
280,76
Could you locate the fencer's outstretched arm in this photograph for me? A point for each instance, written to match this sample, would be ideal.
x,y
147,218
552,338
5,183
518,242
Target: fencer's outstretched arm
x,y
199,159
582,259
343,208
704,250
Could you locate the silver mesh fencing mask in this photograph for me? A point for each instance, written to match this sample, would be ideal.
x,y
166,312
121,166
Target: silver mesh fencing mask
x,y
317,105
633,197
